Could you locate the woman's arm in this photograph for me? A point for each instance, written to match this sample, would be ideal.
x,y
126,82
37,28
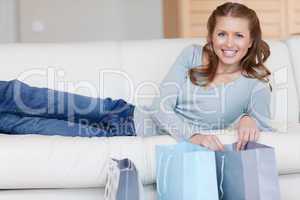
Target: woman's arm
x,y
257,117
259,106
170,88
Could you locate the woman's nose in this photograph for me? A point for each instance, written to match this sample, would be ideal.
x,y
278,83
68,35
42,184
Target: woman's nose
x,y
229,41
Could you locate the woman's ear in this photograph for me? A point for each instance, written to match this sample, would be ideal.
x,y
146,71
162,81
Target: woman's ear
x,y
209,38
250,44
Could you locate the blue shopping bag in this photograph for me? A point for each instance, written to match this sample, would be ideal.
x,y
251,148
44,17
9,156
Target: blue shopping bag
x,y
250,174
123,181
186,172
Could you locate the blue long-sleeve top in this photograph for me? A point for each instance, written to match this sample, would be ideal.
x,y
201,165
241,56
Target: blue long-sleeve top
x,y
183,109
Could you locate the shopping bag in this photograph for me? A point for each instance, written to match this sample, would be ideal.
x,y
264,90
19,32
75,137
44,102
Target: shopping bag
x,y
186,172
250,174
123,182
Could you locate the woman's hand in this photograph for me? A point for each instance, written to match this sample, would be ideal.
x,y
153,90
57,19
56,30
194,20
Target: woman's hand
x,y
247,131
211,142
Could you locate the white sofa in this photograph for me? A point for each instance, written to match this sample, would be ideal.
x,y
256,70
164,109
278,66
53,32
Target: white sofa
x,y
54,167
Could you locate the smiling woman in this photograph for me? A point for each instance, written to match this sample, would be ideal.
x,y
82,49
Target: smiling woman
x,y
230,63
235,48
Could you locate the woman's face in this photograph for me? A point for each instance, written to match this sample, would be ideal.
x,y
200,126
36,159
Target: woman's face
x,y
231,40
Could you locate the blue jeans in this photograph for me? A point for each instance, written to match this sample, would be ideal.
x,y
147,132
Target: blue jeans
x,y
31,110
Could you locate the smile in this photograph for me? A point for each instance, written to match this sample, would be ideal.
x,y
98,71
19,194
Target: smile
x,y
229,52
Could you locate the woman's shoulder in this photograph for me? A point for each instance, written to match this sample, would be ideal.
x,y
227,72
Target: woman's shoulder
x,y
255,84
192,48
192,54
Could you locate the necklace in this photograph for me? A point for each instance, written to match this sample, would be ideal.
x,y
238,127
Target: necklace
x,y
220,73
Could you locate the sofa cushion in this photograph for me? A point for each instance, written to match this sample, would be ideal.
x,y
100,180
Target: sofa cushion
x,y
289,190
36,161
66,194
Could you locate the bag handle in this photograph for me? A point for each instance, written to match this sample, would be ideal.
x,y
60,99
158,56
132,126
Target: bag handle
x,y
222,177
112,179
165,174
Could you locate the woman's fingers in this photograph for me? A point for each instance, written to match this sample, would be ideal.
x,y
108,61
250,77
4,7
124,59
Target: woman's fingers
x,y
205,142
219,144
215,143
239,142
257,135
243,139
211,142
245,136
252,134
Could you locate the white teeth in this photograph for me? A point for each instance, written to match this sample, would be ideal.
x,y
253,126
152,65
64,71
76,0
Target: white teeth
x,y
229,53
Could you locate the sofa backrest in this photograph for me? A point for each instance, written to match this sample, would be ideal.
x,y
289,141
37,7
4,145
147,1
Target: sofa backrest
x,y
284,96
293,44
148,62
74,67
131,70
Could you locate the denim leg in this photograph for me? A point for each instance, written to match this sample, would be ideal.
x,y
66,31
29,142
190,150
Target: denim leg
x,y
14,124
21,99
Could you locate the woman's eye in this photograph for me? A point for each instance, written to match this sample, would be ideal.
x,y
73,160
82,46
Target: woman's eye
x,y
221,34
240,35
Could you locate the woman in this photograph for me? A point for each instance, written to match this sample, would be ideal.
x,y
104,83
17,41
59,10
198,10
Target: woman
x,y
208,88
220,84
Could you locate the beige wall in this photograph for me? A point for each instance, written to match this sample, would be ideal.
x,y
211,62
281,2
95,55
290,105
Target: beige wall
x,y
89,20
